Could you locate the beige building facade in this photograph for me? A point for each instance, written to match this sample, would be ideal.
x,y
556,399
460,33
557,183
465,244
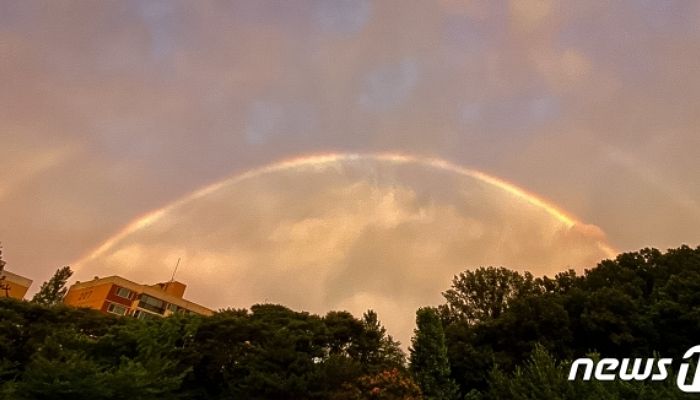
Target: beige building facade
x,y
13,285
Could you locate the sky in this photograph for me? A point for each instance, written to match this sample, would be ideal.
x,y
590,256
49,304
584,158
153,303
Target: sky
x,y
112,110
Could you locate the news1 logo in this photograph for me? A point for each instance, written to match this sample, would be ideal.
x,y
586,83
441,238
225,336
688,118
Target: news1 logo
x,y
609,369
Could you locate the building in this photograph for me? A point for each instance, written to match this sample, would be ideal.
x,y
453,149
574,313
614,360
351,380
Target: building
x,y
116,295
13,285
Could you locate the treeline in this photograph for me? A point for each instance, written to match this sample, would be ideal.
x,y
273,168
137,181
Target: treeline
x,y
269,352
510,335
500,334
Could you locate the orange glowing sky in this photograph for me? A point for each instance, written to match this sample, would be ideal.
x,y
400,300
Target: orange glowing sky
x,y
320,160
575,120
347,231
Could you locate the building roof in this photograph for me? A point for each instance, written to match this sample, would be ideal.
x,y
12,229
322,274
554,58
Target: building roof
x,y
17,279
151,290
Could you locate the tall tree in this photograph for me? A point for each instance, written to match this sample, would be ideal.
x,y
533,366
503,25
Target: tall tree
x,y
429,363
379,351
484,293
53,290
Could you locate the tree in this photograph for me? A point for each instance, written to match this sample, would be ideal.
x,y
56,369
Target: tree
x,y
2,262
631,306
393,384
485,293
542,376
53,291
3,286
429,363
378,351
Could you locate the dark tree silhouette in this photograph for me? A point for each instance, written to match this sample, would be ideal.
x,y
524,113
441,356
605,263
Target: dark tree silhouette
x,y
53,290
429,363
4,287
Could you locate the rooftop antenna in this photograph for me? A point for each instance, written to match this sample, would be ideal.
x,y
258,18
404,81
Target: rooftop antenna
x,y
175,271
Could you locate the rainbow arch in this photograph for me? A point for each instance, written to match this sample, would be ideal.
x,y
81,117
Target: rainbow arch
x,y
323,159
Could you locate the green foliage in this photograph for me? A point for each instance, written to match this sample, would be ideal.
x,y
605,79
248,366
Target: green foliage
x,y
542,377
429,363
638,304
268,352
393,384
485,293
274,352
378,350
53,290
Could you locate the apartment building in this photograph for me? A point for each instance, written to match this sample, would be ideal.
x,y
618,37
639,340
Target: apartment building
x,y
13,285
119,296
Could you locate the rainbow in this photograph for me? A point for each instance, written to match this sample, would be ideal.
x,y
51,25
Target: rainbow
x,y
323,159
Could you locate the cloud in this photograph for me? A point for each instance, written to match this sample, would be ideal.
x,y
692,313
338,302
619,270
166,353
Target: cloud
x,y
112,109
353,234
562,70
341,16
528,15
389,85
20,165
270,120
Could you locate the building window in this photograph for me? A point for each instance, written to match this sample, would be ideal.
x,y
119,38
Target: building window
x,y
140,314
152,304
172,307
124,292
116,309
